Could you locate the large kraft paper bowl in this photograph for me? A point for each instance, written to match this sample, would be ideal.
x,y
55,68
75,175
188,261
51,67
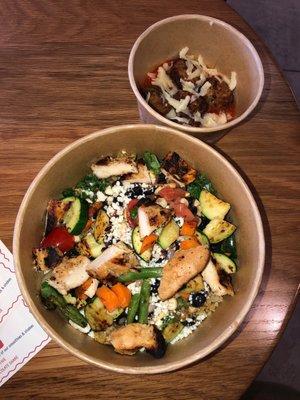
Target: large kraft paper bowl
x,y
66,168
221,46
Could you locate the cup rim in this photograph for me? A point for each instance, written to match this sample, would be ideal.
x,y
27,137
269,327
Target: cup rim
x,y
176,125
92,359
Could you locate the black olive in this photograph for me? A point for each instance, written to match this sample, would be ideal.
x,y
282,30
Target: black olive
x,y
161,178
191,205
148,192
130,194
108,243
155,285
204,222
144,201
198,299
177,245
72,253
137,190
158,351
189,323
53,258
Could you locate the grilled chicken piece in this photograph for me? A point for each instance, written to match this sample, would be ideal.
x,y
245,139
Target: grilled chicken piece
x,y
218,280
142,176
132,337
179,168
56,210
69,274
108,166
114,261
152,217
181,268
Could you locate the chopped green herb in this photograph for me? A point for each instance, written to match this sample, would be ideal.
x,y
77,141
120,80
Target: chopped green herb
x,y
69,192
152,162
134,213
201,182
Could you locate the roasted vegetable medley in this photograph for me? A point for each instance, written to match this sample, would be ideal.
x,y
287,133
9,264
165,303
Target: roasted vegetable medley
x,y
138,253
186,91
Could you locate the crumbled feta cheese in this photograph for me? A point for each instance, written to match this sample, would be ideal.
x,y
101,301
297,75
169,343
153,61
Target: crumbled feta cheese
x,y
134,287
101,196
108,191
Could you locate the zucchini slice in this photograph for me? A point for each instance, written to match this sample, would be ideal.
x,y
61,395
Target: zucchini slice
x,y
172,330
218,229
76,217
168,235
95,248
137,244
225,263
213,207
202,238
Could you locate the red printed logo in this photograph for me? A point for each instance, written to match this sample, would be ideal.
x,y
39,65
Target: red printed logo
x,y
1,344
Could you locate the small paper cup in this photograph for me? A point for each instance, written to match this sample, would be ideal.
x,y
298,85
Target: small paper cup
x,y
221,46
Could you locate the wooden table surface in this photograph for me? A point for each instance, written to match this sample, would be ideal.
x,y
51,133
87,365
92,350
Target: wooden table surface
x,y
63,74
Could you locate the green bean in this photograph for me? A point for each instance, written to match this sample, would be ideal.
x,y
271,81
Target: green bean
x,y
52,298
133,308
144,302
144,273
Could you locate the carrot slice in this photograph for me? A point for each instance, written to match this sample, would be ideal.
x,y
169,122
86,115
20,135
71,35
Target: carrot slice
x,y
80,290
123,294
188,228
108,298
148,242
189,243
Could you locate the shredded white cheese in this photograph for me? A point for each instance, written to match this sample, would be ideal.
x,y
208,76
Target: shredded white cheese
x,y
179,105
163,81
204,89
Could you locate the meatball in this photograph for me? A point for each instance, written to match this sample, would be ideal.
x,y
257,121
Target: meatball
x,y
178,71
156,101
181,95
199,105
218,96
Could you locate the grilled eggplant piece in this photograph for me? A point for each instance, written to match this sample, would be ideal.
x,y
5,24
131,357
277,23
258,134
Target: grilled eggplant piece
x,y
98,317
69,274
132,337
179,168
108,166
151,217
218,280
114,261
180,269
45,259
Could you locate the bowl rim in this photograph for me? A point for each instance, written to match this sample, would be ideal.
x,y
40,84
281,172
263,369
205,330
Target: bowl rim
x,y
134,128
176,125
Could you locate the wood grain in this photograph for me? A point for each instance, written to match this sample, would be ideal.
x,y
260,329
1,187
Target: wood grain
x,y
63,74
